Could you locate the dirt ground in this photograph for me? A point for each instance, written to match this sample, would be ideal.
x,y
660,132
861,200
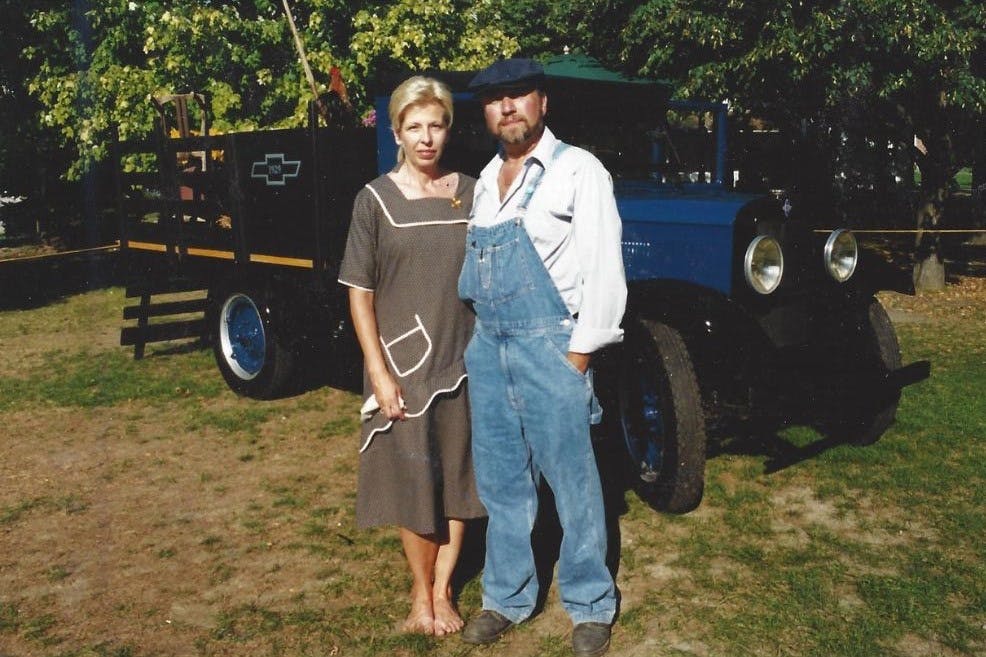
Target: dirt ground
x,y
125,532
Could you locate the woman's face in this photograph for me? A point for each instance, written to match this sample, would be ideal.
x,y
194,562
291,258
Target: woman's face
x,y
423,134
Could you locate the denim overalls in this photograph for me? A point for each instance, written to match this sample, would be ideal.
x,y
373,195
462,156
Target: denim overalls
x,y
530,415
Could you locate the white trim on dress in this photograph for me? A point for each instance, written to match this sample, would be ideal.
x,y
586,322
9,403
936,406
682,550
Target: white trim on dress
x,y
390,423
414,223
358,287
386,347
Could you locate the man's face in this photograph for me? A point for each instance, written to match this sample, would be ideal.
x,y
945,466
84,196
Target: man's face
x,y
515,116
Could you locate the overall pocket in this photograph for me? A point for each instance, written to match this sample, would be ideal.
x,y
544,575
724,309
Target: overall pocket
x,y
497,273
557,343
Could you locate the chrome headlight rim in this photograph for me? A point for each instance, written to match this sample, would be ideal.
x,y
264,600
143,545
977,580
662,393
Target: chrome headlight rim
x,y
764,279
839,264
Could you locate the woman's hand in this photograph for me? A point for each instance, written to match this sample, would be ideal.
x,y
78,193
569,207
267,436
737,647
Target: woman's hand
x,y
385,387
388,394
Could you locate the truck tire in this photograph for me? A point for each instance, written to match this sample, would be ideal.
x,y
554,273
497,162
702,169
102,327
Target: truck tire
x,y
864,418
661,418
251,356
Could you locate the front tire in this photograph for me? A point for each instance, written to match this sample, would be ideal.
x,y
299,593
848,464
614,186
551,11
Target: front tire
x,y
252,357
863,418
661,418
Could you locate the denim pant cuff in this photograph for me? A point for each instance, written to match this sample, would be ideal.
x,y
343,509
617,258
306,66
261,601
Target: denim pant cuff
x,y
598,617
513,615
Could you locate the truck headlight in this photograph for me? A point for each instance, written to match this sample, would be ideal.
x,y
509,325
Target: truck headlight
x,y
841,254
764,264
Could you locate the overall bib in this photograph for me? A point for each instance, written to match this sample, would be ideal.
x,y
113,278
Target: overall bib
x,y
531,410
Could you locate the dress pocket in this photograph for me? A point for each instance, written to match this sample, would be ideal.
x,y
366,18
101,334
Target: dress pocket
x,y
408,351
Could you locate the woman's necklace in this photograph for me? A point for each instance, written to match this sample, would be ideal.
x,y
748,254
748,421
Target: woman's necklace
x,y
443,186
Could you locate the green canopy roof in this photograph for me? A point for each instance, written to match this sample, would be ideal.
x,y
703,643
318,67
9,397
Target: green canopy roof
x,y
589,69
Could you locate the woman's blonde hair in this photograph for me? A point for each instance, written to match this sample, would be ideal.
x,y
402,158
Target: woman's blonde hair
x,y
418,90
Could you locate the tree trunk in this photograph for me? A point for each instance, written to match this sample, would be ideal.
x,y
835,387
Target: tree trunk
x,y
935,159
929,274
929,267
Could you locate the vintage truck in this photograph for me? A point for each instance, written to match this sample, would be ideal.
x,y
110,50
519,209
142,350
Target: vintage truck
x,y
739,310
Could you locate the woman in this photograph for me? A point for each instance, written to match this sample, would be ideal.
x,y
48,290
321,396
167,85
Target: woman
x,y
403,255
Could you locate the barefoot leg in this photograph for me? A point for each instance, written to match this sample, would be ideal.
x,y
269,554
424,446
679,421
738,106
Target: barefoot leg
x,y
447,619
421,552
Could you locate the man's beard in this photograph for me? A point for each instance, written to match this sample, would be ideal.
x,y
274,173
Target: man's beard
x,y
519,132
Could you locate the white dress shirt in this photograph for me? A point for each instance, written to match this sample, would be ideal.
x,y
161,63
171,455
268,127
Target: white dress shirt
x,y
575,227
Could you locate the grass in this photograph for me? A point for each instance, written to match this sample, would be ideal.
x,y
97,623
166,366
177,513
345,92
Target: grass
x,y
851,552
83,380
963,178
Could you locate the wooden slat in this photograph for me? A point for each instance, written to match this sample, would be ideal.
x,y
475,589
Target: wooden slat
x,y
167,308
163,287
133,335
169,205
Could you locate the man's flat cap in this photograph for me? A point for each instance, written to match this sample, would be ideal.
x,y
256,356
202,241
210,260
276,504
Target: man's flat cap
x,y
514,72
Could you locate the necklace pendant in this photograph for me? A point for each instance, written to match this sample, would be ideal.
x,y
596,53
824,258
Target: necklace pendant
x,y
456,202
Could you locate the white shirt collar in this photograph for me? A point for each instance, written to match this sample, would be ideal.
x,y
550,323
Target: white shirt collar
x,y
542,153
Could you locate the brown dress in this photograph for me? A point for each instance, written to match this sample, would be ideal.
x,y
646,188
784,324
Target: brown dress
x,y
418,472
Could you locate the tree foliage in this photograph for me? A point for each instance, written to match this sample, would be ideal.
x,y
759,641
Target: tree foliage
x,y
851,82
849,76
20,135
241,54
443,34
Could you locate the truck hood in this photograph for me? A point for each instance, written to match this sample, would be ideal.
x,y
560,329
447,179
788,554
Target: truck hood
x,y
643,201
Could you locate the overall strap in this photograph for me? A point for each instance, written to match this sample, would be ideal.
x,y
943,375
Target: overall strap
x,y
535,181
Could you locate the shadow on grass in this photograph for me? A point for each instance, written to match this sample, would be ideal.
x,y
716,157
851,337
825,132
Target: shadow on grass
x,y
889,259
27,283
779,453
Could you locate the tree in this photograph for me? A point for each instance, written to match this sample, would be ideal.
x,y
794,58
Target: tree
x,y
122,52
241,54
20,136
442,34
862,73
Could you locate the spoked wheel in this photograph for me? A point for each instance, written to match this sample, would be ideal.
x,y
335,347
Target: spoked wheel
x,y
661,418
251,356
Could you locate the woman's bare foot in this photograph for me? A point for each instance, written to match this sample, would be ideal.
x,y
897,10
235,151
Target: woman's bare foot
x,y
421,618
447,619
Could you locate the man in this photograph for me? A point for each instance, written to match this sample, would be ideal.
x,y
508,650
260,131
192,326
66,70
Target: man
x,y
544,273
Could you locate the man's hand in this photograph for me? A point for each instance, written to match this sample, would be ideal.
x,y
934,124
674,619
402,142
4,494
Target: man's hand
x,y
580,361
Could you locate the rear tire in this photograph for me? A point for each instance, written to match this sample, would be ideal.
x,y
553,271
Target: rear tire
x,y
661,418
253,359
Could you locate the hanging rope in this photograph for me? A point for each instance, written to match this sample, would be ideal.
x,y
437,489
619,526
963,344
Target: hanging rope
x,y
301,50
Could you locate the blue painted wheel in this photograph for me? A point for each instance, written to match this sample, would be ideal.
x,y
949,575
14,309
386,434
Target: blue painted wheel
x,y
241,336
661,418
250,353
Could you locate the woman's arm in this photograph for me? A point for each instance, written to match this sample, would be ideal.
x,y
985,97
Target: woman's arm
x,y
385,387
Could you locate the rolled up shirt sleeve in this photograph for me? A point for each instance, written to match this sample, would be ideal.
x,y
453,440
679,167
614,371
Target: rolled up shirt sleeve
x,y
597,232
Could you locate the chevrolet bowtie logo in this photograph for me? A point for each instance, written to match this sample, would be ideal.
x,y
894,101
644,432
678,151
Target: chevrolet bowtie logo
x,y
275,170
